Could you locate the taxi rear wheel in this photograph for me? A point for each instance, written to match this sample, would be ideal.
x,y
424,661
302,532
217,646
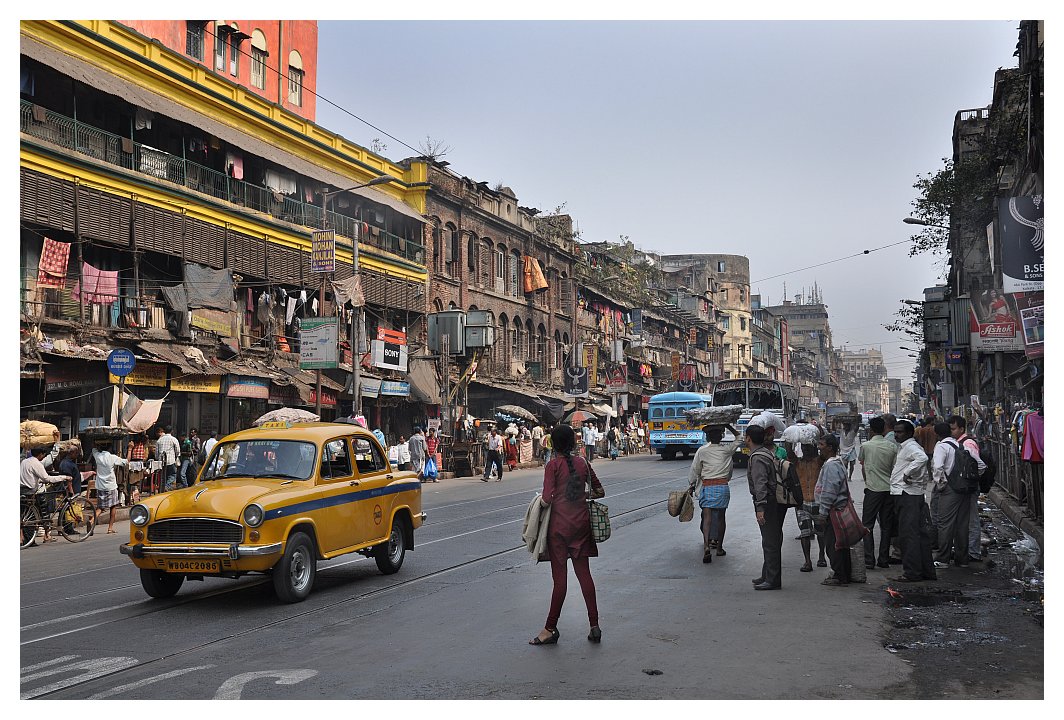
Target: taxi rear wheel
x,y
160,584
389,555
293,576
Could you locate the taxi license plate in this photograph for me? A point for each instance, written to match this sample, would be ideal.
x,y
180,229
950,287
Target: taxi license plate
x,y
198,566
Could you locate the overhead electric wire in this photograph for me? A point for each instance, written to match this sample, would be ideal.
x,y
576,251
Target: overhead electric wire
x,y
829,262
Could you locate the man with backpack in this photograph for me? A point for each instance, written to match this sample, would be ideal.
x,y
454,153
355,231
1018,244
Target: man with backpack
x,y
958,428
951,469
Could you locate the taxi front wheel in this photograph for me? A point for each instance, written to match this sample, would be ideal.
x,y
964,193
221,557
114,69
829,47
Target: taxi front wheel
x,y
389,555
293,575
160,584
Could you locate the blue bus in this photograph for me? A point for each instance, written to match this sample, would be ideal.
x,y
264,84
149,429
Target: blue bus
x,y
670,433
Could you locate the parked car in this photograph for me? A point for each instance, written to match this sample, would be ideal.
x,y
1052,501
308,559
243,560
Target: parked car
x,y
277,499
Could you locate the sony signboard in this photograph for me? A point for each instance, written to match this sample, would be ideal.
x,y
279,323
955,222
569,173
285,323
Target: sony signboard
x,y
1022,243
994,323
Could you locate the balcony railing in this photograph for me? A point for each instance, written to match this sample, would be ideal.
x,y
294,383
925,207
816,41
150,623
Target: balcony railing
x,y
116,150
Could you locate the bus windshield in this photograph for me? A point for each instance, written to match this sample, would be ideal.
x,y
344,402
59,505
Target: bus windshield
x,y
734,396
765,398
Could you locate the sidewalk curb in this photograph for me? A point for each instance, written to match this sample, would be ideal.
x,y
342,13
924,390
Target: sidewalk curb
x,y
1014,512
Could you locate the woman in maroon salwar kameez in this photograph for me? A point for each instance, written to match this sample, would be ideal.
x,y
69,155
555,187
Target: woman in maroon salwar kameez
x,y
565,480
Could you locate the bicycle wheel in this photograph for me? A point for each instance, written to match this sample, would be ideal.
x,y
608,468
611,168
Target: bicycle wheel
x,y
31,520
77,518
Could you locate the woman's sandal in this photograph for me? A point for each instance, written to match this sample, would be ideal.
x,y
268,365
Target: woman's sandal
x,y
595,635
554,634
808,567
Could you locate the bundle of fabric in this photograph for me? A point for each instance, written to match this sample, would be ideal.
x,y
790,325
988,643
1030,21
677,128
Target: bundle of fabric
x,y
67,445
804,433
287,414
769,419
722,415
33,433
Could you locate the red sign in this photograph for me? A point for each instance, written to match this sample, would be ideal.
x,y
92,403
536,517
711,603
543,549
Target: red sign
x,y
391,336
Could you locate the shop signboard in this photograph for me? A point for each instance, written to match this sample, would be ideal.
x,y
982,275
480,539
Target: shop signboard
x,y
1032,322
688,378
328,397
145,373
675,366
395,387
218,322
75,374
994,323
318,343
246,386
575,382
323,251
1022,243
591,364
937,359
197,383
388,355
371,387
954,356
618,380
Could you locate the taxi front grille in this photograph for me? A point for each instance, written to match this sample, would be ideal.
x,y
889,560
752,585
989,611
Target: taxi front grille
x,y
195,530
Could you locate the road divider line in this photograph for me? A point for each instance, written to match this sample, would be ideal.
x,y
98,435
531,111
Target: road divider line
x,y
146,681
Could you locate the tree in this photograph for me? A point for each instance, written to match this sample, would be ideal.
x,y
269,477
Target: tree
x,y
377,146
434,150
910,320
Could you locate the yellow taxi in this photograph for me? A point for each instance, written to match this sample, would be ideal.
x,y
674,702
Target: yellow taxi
x,y
277,499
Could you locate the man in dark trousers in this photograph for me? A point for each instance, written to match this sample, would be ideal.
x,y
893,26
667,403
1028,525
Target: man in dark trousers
x,y
877,457
908,483
761,474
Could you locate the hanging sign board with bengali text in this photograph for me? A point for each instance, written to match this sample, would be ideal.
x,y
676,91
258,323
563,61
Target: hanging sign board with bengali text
x,y
145,373
197,383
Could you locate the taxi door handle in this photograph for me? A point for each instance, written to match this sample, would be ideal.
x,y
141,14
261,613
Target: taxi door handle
x,y
389,476
355,482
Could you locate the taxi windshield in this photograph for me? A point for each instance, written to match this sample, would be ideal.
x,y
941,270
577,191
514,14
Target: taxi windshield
x,y
281,459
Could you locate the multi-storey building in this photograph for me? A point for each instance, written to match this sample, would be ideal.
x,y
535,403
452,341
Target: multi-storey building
x,y
767,341
869,375
167,203
810,330
728,277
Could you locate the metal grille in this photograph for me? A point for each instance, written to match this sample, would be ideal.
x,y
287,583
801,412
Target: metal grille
x,y
195,530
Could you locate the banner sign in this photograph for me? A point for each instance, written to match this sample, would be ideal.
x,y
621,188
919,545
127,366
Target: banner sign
x,y
688,379
395,387
994,323
74,374
954,357
1032,322
371,387
145,373
1022,243
591,364
937,359
394,337
218,322
637,321
675,366
318,343
245,386
618,381
575,381
323,251
388,355
197,383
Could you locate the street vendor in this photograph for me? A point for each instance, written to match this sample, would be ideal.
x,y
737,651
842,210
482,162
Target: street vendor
x,y
711,471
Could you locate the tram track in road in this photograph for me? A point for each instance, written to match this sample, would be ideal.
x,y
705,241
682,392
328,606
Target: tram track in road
x,y
109,677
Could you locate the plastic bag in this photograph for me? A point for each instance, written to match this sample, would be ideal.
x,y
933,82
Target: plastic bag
x,y
430,472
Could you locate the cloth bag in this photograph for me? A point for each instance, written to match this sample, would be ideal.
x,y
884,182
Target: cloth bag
x,y
676,502
849,530
687,508
600,521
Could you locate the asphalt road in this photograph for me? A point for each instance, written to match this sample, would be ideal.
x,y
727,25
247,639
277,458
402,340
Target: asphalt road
x,y
455,621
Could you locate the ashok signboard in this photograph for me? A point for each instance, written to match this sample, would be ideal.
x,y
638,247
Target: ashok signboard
x,y
994,323
1022,243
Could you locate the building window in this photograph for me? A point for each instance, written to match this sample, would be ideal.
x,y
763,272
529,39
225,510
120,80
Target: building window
x,y
500,263
471,259
515,284
724,294
220,45
295,79
742,323
720,266
515,341
194,39
725,322
234,54
258,59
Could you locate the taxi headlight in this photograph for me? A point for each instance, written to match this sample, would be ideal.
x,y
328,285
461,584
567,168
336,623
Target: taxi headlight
x,y
254,515
139,515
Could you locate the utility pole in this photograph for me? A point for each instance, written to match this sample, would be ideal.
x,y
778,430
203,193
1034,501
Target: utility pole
x,y
445,375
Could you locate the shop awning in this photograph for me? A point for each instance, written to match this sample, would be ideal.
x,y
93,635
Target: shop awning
x,y
424,387
173,355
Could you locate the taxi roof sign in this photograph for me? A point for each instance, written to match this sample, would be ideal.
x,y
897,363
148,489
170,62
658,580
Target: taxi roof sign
x,y
276,424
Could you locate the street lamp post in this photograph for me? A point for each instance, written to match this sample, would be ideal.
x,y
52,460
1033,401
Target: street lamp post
x,y
917,221
356,365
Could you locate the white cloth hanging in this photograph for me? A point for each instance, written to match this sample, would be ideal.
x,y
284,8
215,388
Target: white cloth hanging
x,y
290,311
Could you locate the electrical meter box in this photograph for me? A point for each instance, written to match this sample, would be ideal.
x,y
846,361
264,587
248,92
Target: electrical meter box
x,y
452,324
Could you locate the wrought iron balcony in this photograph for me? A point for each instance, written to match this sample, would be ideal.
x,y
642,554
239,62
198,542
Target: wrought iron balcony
x,y
113,149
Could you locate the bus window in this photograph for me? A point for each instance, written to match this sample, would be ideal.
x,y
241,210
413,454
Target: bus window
x,y
655,412
735,396
763,398
670,412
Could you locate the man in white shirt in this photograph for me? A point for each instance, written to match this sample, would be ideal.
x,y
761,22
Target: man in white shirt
x,y
31,474
167,450
849,446
106,483
210,442
908,482
711,471
588,435
493,456
537,440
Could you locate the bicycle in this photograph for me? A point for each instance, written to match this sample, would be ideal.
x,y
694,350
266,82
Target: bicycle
x,y
74,516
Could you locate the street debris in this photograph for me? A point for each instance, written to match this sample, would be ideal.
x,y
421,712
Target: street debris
x,y
652,672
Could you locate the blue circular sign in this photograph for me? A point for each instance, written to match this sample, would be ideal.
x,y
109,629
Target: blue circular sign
x,y
120,362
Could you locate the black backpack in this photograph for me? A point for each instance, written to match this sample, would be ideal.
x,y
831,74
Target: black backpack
x,y
989,476
964,476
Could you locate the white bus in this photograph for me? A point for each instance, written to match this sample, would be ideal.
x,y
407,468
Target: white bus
x,y
756,395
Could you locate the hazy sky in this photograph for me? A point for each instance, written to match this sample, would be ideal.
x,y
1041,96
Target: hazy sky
x,y
790,142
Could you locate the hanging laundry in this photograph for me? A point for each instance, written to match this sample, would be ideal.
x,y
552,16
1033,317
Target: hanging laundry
x,y
250,304
101,286
263,312
27,81
314,306
277,182
1033,437
303,297
290,311
143,119
52,269
234,165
